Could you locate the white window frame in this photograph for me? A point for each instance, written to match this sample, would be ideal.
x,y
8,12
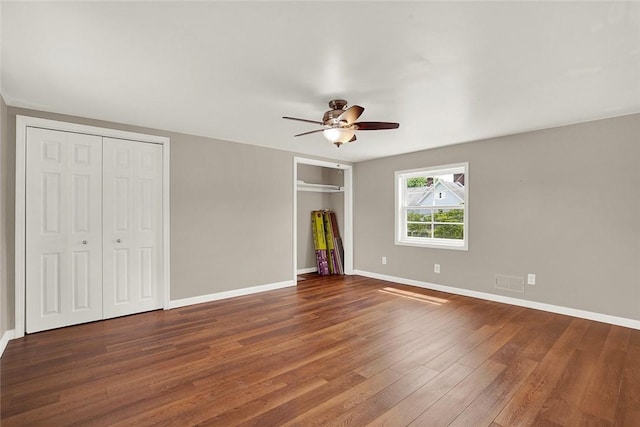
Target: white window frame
x,y
401,237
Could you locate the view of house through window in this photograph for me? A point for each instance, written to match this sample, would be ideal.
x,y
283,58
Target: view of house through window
x,y
431,207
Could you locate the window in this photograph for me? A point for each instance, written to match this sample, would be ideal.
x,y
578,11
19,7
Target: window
x,y
432,208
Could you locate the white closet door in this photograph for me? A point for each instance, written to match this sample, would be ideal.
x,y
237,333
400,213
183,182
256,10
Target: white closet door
x,y
63,229
132,227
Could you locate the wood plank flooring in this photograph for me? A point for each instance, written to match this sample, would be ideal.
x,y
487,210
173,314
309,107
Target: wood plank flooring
x,y
343,351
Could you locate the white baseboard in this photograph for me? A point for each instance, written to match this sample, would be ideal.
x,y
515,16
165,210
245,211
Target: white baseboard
x,y
229,294
306,270
8,335
598,317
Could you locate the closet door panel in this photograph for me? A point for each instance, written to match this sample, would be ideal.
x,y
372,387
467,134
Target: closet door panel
x,y
121,276
80,279
63,229
85,222
132,226
118,234
148,222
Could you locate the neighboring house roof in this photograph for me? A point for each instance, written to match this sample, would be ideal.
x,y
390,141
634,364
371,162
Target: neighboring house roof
x,y
417,196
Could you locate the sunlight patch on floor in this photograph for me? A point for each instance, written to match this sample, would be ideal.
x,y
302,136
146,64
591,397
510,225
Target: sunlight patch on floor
x,y
414,295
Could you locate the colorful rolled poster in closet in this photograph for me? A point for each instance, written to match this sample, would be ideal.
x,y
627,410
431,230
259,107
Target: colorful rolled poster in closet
x,y
329,239
330,227
320,243
337,243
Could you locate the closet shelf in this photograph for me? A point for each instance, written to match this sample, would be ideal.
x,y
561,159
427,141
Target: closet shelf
x,y
321,188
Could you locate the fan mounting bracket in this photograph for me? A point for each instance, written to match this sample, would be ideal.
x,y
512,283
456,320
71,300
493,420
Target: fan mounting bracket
x,y
337,104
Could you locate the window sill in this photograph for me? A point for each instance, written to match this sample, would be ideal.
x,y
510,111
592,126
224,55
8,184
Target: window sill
x,y
452,244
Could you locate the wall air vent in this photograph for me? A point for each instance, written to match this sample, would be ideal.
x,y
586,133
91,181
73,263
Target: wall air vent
x,y
509,283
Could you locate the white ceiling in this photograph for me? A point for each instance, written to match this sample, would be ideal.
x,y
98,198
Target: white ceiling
x,y
448,72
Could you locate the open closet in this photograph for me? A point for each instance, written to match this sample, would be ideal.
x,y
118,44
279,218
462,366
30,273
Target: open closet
x,y
321,186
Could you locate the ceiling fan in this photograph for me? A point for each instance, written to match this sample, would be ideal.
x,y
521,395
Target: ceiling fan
x,y
339,123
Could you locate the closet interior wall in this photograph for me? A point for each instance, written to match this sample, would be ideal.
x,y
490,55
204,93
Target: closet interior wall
x,y
309,201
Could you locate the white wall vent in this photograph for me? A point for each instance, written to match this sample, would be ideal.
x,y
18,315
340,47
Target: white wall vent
x,y
509,283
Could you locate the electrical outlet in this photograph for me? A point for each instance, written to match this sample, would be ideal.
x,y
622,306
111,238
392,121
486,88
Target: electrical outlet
x,y
436,268
384,259
531,279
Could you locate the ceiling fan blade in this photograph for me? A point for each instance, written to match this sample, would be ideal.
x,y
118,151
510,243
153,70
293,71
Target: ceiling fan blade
x,y
376,125
351,114
303,120
311,131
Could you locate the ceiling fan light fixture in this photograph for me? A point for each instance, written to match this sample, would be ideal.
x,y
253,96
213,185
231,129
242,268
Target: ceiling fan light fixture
x,y
339,125
339,135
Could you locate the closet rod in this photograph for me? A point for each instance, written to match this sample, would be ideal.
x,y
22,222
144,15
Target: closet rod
x,y
328,188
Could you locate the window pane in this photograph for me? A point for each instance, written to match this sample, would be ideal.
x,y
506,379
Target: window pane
x,y
449,215
435,190
417,229
419,215
415,195
449,231
419,181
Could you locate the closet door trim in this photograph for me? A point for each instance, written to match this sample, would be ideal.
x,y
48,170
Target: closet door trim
x,y
24,122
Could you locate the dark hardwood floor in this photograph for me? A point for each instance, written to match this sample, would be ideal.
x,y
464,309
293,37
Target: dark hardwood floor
x,y
345,351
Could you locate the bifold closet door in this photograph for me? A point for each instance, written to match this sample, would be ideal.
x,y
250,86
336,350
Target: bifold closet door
x,y
132,227
63,229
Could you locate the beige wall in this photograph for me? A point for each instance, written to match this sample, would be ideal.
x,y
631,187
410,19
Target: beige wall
x,y
562,203
231,211
6,305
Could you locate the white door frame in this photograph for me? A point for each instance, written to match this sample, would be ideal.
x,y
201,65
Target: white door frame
x,y
22,123
347,233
